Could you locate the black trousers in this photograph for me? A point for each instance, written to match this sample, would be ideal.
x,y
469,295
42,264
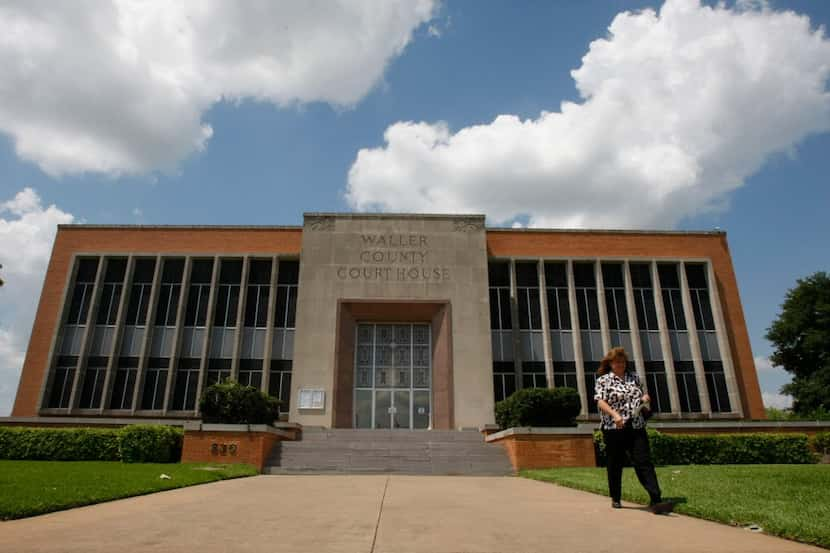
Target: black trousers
x,y
635,443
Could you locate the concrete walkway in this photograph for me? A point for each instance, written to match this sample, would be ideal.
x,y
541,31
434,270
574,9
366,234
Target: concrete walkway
x,y
383,514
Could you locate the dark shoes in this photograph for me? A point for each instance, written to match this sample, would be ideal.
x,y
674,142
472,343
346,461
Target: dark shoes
x,y
661,507
616,504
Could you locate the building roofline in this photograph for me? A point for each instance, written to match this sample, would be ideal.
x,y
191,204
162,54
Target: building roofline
x,y
86,226
392,215
178,227
716,232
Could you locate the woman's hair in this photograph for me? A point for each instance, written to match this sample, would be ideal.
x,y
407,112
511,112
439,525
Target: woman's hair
x,y
614,353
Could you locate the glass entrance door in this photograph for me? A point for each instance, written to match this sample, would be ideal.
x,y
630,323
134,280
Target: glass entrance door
x,y
393,366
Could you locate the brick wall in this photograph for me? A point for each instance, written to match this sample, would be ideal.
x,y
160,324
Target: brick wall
x,y
252,448
71,240
558,450
714,246
286,241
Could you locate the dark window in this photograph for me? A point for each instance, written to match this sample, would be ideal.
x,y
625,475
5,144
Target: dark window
x,y
687,386
640,275
87,269
556,281
504,379
155,380
124,383
62,383
668,275
279,384
564,375
169,292
584,276
259,271
499,281
199,293
140,292
93,384
256,305
716,386
701,303
612,275
144,271
533,374
530,310
116,269
587,308
672,301
556,274
286,306
498,274
82,292
586,296
250,372
643,296
615,302
172,271
218,370
500,308
187,382
202,271
658,387
168,304
288,272
527,274
227,294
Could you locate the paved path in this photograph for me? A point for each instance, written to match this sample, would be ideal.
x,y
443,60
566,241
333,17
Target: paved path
x,y
365,514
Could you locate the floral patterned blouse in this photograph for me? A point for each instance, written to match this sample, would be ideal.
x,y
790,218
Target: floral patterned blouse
x,y
624,395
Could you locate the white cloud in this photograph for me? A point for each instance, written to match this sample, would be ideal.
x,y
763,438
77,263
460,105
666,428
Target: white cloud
x,y
121,86
137,212
763,364
27,231
679,108
779,401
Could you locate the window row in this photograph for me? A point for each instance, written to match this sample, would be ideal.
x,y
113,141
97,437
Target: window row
x,y
185,386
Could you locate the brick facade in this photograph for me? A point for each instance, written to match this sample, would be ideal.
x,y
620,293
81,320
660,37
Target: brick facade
x,y
557,450
286,241
215,446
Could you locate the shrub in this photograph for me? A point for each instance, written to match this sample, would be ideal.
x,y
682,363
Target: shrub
x,y
539,407
721,449
821,442
59,444
148,443
230,402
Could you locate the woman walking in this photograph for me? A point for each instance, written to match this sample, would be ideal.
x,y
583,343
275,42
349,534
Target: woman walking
x,y
620,398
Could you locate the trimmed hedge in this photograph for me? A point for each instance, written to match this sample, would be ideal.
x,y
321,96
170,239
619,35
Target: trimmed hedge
x,y
163,444
539,407
59,444
147,443
821,442
721,449
230,402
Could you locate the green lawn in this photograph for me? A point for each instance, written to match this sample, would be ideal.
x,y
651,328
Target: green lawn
x,y
35,487
785,500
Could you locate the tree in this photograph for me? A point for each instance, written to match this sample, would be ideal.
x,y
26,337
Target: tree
x,y
801,338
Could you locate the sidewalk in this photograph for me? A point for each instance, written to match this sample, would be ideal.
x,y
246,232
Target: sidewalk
x,y
376,514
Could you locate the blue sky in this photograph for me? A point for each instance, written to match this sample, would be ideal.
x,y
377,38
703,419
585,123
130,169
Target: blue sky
x,y
271,158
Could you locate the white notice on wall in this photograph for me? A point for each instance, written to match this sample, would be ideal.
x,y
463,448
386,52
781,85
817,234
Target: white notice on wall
x,y
312,398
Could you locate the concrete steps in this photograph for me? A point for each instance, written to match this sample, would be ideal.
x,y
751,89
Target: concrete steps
x,y
447,452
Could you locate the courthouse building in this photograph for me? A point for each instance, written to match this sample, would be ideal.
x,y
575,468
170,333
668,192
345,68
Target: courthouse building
x,y
382,320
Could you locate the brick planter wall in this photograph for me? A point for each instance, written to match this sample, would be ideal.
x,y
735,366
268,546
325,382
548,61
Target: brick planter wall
x,y
231,443
535,448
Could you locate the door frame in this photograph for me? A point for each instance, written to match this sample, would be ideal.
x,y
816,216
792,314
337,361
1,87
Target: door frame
x,y
412,390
